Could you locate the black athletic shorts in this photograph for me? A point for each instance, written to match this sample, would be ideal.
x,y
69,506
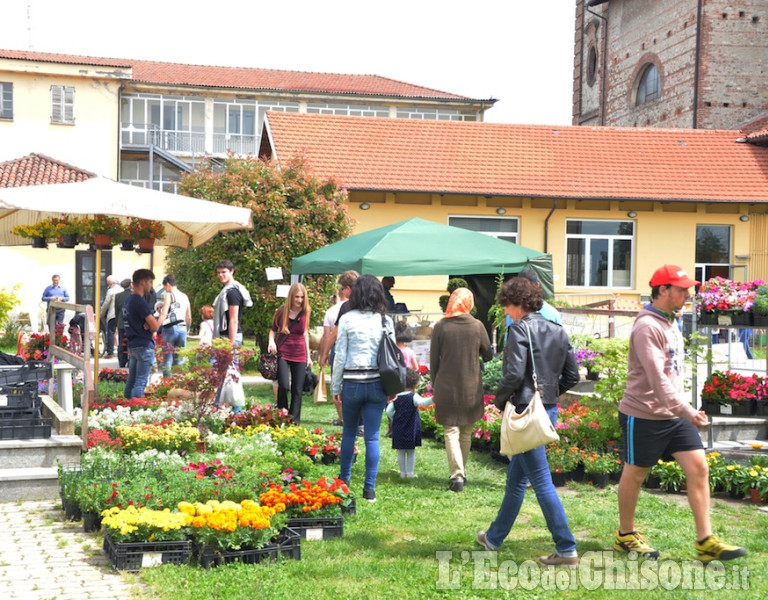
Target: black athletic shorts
x,y
646,440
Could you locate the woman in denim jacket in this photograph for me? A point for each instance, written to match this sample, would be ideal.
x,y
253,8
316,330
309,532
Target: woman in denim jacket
x,y
356,376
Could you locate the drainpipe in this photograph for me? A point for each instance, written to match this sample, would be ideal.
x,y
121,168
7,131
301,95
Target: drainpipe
x,y
604,78
697,59
546,227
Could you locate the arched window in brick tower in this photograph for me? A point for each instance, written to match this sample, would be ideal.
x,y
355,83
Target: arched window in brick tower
x,y
649,87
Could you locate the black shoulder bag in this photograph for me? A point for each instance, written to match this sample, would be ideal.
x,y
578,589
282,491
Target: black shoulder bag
x,y
391,364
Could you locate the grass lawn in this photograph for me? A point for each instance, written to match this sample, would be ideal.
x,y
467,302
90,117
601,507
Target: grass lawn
x,y
417,541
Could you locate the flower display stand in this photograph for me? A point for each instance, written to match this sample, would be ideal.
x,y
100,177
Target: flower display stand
x,y
136,555
287,545
318,529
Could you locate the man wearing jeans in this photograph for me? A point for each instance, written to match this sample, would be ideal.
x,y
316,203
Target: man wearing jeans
x,y
140,326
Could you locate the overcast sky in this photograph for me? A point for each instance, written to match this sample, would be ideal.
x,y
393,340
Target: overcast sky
x,y
518,52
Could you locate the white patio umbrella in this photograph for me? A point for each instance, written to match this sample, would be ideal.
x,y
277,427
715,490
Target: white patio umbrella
x,y
186,220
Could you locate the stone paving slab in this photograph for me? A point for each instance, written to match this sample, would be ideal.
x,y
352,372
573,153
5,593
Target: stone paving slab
x,y
43,557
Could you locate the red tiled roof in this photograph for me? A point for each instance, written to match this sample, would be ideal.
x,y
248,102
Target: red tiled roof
x,y
759,137
525,160
38,169
163,73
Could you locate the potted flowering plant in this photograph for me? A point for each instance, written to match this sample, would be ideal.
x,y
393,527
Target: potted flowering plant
x,y
227,531
727,302
562,461
598,466
730,393
38,233
102,230
67,230
671,475
145,232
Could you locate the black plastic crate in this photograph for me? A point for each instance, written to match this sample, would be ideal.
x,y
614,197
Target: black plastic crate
x,y
25,429
132,556
19,398
287,545
30,371
318,529
8,414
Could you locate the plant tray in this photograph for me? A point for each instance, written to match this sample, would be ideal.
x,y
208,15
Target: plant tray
x,y
287,545
30,371
24,429
349,510
318,529
136,555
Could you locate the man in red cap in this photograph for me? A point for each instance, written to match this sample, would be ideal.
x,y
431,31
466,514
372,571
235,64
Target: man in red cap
x,y
658,423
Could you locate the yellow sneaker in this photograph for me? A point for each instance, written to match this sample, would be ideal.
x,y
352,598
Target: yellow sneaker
x,y
714,548
634,542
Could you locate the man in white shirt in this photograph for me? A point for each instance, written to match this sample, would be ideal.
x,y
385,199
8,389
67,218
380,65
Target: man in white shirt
x,y
346,281
108,315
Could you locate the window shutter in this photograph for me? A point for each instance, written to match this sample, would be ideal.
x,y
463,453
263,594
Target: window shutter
x,y
56,115
69,104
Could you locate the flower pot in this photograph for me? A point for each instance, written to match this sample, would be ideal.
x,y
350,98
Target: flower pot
x,y
756,497
126,245
39,242
145,245
652,482
72,511
738,409
68,240
708,318
577,474
592,375
287,545
91,521
760,321
735,493
102,241
200,446
761,410
599,480
558,479
711,407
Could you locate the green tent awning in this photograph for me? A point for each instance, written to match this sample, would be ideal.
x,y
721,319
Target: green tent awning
x,y
421,247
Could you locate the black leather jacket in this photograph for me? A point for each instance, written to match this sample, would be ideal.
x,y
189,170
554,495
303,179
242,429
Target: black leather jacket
x,y
556,367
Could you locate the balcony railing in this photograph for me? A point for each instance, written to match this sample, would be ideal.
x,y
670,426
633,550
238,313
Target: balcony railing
x,y
180,142
235,142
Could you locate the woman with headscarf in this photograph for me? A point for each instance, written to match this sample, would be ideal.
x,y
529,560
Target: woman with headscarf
x,y
458,341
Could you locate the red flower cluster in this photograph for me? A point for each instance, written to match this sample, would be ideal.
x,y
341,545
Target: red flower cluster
x,y
730,387
215,468
98,438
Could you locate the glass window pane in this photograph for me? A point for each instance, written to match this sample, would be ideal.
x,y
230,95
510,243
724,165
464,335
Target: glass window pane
x,y
598,262
485,224
600,227
575,258
219,118
622,263
713,244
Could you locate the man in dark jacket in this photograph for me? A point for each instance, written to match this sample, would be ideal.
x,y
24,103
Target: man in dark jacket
x,y
122,344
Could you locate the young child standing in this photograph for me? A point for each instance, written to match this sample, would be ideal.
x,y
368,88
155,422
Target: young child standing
x,y
406,423
403,336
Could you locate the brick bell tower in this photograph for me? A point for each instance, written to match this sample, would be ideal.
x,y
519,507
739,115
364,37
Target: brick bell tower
x,y
670,63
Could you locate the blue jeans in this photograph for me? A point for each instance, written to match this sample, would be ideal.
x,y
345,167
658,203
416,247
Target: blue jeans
x,y
173,337
111,329
369,400
140,361
532,466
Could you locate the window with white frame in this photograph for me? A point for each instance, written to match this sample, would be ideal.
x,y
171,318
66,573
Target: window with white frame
x,y
436,114
504,228
599,253
347,110
63,104
6,100
713,251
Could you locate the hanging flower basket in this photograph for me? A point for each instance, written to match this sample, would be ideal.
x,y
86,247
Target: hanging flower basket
x,y
102,241
67,240
126,245
145,245
39,242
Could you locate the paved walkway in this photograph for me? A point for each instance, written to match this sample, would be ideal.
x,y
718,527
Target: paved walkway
x,y
43,557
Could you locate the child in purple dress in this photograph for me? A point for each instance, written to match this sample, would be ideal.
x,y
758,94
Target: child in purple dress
x,y
406,423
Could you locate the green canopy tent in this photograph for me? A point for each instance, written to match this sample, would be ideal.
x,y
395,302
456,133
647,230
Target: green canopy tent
x,y
421,247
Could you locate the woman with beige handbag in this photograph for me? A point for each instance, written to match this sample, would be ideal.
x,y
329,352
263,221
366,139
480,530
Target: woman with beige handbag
x,y
537,351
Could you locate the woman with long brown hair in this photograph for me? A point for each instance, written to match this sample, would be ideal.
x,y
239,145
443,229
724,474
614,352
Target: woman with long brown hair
x,y
290,331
